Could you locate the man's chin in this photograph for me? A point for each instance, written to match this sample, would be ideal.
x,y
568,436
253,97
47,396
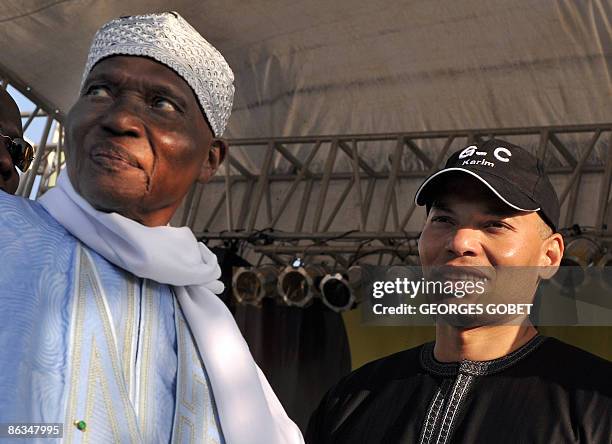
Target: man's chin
x,y
110,196
467,322
461,322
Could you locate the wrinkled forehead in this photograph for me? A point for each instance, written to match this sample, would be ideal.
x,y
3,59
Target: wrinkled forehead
x,y
144,71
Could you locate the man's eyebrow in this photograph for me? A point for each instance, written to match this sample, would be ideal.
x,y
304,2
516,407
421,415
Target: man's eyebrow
x,y
496,211
116,79
172,93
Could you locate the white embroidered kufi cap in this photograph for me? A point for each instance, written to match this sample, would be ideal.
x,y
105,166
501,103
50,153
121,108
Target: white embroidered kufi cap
x,y
170,40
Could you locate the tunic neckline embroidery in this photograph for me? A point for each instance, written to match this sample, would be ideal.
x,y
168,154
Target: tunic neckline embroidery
x,y
448,401
476,368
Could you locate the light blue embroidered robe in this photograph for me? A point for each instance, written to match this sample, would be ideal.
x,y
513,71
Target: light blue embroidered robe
x,y
81,339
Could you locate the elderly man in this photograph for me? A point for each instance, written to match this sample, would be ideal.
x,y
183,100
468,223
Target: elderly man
x,y
485,379
110,322
14,151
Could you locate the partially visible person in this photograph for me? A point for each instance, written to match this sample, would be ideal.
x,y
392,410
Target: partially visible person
x,y
14,151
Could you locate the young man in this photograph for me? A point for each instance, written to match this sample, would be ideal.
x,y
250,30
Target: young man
x,y
14,151
484,379
110,321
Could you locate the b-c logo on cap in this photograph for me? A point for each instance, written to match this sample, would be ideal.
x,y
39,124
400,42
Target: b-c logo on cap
x,y
469,151
500,153
501,150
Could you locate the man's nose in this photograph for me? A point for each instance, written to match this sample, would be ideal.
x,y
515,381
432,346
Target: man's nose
x,y
464,242
123,119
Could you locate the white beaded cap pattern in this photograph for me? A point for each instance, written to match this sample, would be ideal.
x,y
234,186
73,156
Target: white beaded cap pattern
x,y
170,40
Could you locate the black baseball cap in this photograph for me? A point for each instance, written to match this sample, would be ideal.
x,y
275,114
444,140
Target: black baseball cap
x,y
512,173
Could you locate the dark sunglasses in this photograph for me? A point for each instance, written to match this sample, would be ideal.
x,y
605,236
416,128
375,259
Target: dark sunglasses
x,y
21,152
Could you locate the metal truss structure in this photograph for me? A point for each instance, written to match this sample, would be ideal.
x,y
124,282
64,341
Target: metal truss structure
x,y
387,226
303,218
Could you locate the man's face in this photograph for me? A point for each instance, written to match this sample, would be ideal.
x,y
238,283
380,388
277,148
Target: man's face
x,y
468,226
137,140
10,125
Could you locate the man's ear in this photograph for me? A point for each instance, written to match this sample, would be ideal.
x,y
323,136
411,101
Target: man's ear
x,y
216,155
552,254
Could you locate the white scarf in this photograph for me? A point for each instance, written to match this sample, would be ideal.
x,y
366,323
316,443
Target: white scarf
x,y
249,411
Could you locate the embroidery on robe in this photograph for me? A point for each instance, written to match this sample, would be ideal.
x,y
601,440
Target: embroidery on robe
x,y
78,311
441,425
92,322
129,340
184,423
460,388
433,413
195,416
97,389
144,354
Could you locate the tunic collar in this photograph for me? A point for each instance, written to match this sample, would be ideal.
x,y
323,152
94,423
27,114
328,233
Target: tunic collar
x,y
476,368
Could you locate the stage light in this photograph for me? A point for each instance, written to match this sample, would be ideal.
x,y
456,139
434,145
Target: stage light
x,y
605,269
336,292
298,285
251,285
580,253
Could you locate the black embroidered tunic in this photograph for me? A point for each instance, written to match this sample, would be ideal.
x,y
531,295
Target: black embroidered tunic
x,y
544,392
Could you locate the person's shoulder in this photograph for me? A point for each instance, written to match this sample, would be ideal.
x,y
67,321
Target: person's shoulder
x,y
575,358
25,220
343,397
12,202
12,206
398,366
573,367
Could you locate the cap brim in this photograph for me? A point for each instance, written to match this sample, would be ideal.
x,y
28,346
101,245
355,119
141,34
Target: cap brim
x,y
505,191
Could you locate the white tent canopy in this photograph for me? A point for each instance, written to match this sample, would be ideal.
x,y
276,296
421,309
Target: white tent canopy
x,y
307,68
355,66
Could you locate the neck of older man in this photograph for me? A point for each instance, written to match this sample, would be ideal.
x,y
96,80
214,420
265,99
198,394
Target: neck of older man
x,y
481,343
158,218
